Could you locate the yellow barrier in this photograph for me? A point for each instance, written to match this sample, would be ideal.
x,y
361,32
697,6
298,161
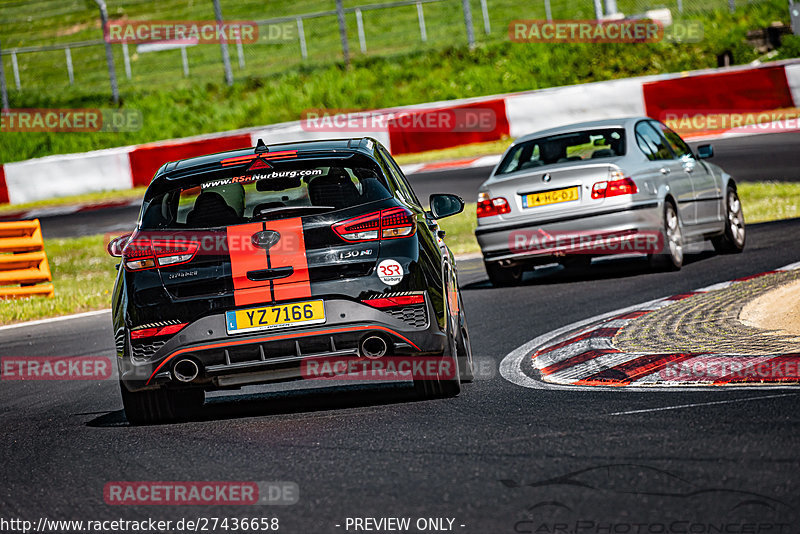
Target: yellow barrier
x,y
23,262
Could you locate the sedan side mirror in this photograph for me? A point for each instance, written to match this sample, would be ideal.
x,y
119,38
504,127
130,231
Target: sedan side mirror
x,y
444,205
705,151
116,245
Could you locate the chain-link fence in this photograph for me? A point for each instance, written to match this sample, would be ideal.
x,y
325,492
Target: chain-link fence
x,y
42,49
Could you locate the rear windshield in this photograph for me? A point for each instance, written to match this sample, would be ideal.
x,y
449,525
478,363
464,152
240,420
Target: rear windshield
x,y
573,146
288,189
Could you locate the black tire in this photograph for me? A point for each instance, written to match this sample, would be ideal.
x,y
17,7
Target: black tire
x,y
464,348
733,240
160,405
671,258
448,384
501,276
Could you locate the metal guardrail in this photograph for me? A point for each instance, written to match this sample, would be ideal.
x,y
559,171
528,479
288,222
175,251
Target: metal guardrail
x,y
24,270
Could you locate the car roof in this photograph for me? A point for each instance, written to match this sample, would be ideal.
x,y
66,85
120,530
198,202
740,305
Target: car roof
x,y
623,122
363,145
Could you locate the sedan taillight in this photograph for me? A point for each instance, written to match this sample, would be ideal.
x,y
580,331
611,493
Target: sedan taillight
x,y
385,224
614,188
143,253
488,206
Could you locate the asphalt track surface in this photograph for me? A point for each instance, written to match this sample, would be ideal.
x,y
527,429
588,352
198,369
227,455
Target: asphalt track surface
x,y
749,158
499,458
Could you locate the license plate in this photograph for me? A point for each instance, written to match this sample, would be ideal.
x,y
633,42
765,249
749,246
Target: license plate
x,y
271,317
532,200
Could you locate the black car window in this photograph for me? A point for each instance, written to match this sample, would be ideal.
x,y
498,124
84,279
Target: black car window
x,y
287,189
677,144
400,179
594,143
652,143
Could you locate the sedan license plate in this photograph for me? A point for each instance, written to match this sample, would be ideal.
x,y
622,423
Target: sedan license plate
x,y
271,317
532,200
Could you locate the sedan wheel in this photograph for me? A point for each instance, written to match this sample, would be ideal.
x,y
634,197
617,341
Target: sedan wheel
x,y
732,241
671,257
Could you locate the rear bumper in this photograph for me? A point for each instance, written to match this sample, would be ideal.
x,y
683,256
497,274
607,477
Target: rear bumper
x,y
504,241
277,355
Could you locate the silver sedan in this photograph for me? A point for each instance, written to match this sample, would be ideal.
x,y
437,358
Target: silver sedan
x,y
626,186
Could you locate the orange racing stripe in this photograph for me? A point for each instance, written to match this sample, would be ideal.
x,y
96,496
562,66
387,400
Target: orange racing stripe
x,y
290,251
246,257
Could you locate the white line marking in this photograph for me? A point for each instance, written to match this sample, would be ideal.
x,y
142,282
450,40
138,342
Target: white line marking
x,y
680,406
55,319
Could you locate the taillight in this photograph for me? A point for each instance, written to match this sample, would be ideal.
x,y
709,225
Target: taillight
x,y
143,253
488,206
157,331
391,302
614,188
385,224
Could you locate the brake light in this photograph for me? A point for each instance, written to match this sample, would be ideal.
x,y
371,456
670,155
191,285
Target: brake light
x,y
391,302
488,206
385,224
157,331
143,253
614,188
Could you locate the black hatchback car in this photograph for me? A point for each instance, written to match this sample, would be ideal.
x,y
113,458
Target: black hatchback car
x,y
268,264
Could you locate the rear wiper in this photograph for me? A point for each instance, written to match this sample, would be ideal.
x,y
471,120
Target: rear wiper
x,y
283,211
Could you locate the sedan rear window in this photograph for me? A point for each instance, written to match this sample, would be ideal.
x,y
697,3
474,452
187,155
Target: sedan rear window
x,y
560,148
286,189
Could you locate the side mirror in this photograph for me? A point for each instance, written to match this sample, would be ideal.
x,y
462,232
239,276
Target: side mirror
x,y
444,205
116,245
705,151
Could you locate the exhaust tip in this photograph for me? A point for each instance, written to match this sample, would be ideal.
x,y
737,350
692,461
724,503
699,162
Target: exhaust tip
x,y
373,347
185,370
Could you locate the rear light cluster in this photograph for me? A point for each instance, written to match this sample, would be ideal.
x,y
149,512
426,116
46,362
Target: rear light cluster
x,y
385,224
622,185
157,331
392,302
488,206
143,253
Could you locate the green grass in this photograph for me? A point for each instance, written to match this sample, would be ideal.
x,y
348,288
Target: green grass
x,y
769,201
275,89
83,274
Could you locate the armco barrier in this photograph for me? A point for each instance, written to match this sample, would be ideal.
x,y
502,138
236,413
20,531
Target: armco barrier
x,y
758,89
3,187
147,159
405,141
23,261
